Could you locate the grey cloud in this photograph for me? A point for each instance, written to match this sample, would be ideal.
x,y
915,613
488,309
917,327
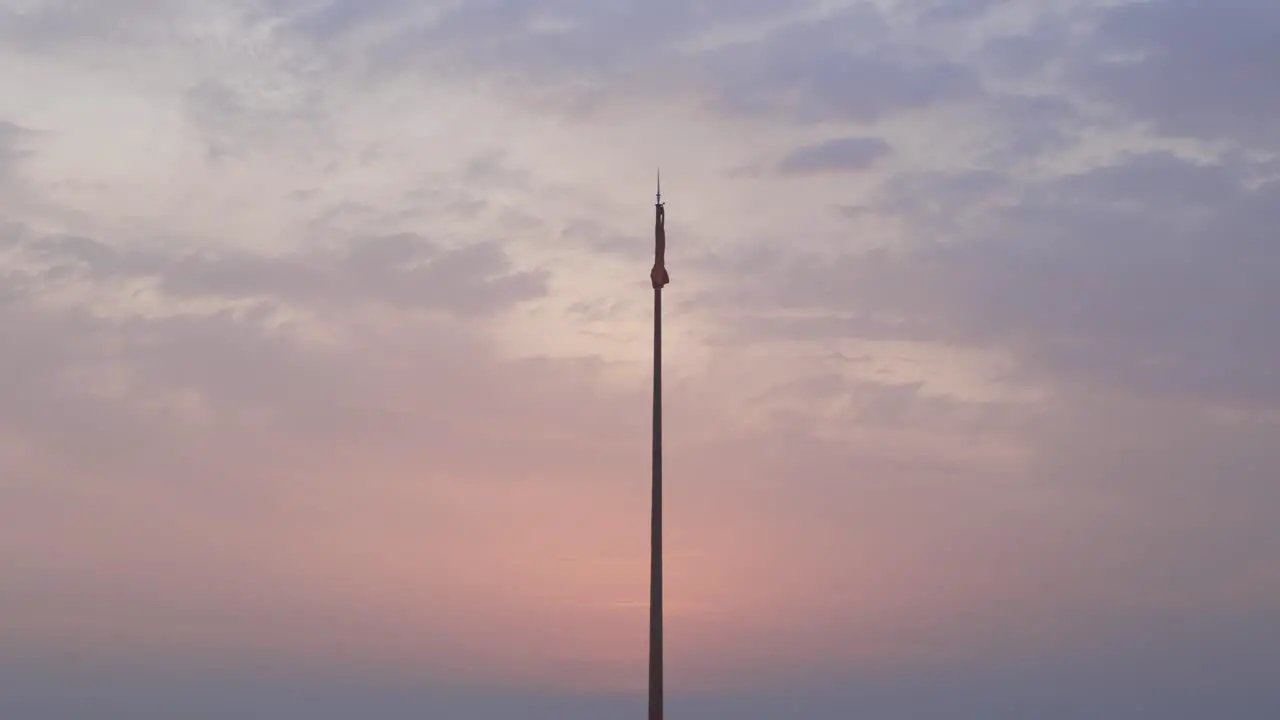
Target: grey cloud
x,y
837,155
234,121
586,52
601,238
1018,55
12,152
1155,183
212,412
574,55
1034,51
547,40
451,280
243,368
246,361
940,204
402,270
954,11
843,86
1026,127
811,71
51,26
328,19
1190,68
1154,273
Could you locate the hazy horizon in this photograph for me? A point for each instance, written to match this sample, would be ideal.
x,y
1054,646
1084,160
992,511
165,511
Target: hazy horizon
x,y
324,358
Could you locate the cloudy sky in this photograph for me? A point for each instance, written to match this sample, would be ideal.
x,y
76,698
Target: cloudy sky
x,y
325,350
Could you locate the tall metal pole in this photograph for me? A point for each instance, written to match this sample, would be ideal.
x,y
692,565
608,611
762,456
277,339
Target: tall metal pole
x,y
655,543
659,278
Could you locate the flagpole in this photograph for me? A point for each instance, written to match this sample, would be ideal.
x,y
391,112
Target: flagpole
x,y
655,544
659,278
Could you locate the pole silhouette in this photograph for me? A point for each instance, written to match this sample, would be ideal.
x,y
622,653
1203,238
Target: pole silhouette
x,y
658,276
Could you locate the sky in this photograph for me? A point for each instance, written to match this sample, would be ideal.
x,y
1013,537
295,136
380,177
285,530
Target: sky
x,y
324,381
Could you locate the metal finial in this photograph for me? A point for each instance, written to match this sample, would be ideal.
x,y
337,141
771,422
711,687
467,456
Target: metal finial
x,y
659,195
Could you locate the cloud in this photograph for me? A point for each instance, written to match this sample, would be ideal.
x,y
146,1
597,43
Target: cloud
x,y
11,153
946,12
798,61
566,43
836,155
1190,69
1030,127
233,120
1147,273
401,270
809,71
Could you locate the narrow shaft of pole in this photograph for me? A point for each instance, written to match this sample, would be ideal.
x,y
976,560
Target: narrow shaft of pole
x,y
655,545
